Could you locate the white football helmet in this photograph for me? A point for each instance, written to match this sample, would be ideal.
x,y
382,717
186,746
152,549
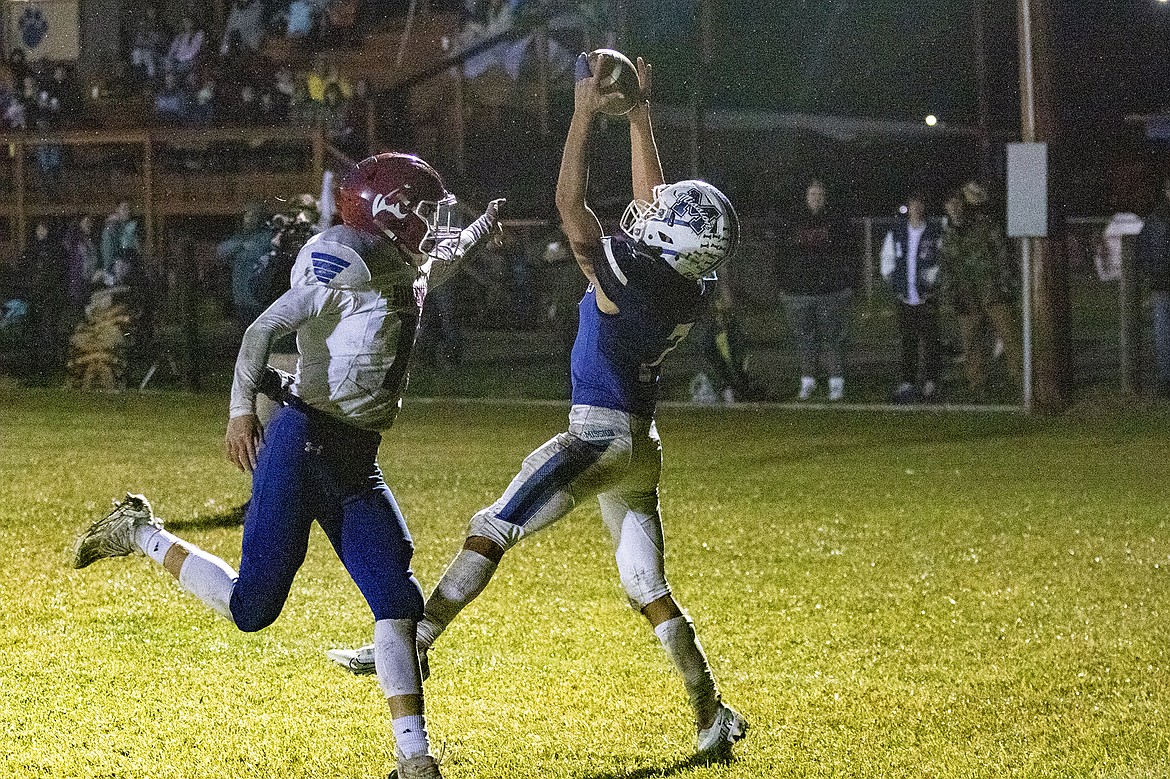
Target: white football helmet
x,y
690,223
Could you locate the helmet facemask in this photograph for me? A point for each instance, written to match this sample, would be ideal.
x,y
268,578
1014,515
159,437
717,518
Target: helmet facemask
x,y
442,222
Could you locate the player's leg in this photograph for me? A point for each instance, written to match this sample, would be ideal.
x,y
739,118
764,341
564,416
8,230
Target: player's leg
x,y
276,532
570,467
631,513
370,535
132,528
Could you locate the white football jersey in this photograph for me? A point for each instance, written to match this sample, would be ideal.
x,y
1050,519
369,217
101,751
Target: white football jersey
x,y
355,304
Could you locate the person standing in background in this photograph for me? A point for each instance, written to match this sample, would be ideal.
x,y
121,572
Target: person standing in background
x,y
982,283
910,265
1154,258
817,282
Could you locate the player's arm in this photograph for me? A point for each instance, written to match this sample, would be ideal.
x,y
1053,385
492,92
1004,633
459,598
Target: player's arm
x,y
645,166
244,433
577,219
450,255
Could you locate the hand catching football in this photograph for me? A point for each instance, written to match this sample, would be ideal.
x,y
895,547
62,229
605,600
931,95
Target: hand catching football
x,y
619,85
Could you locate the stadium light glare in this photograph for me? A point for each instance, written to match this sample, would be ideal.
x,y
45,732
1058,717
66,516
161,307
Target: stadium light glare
x,y
932,120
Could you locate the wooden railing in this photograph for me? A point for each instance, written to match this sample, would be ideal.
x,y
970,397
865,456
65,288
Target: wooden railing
x,y
162,172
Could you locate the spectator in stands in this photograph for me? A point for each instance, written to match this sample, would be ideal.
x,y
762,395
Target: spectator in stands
x,y
146,44
982,283
817,281
1107,251
248,108
273,107
285,82
323,74
203,106
303,111
301,19
46,118
44,260
488,19
339,25
243,254
119,235
173,101
910,265
334,117
245,20
7,100
1154,258
66,92
82,254
357,110
17,66
186,48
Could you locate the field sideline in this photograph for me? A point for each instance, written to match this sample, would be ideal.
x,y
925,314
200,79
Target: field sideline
x,y
883,595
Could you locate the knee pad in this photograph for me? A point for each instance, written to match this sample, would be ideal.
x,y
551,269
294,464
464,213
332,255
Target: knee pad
x,y
499,531
640,563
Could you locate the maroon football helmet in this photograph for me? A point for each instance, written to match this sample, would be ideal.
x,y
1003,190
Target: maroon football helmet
x,y
399,196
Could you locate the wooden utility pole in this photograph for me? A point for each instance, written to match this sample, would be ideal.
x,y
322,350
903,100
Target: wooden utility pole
x,y
1048,280
699,83
979,39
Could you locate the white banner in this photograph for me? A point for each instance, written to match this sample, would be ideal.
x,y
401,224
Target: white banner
x,y
43,28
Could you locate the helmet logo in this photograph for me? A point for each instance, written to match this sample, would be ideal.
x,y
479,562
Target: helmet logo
x,y
397,209
690,211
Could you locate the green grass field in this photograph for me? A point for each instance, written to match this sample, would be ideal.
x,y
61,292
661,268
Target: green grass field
x,y
883,595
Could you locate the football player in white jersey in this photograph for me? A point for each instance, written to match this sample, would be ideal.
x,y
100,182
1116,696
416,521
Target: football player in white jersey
x,y
356,296
646,289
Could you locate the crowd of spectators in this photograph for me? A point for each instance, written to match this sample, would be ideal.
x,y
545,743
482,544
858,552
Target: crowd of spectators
x,y
186,75
39,95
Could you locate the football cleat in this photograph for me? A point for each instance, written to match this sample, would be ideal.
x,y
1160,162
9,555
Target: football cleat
x,y
113,535
729,726
356,661
360,662
420,767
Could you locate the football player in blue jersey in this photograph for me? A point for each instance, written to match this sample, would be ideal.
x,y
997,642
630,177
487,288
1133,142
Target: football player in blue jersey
x,y
356,296
646,288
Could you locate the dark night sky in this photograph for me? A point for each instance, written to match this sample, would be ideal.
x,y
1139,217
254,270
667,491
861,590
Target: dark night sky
x,y
898,59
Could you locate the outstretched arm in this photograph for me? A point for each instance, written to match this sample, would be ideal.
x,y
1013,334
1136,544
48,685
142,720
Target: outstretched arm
x,y
645,166
579,222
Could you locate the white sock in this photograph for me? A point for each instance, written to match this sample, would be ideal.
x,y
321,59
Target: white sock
x,y
154,542
464,579
204,575
410,735
682,646
209,579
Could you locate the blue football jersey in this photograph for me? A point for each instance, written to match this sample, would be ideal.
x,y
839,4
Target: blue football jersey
x,y
616,357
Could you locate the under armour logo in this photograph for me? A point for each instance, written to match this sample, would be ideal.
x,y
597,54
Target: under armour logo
x,y
313,449
396,208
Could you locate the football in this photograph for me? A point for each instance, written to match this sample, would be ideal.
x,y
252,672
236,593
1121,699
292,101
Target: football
x,y
618,76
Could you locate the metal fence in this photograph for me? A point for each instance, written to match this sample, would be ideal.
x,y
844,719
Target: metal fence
x,y
504,328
